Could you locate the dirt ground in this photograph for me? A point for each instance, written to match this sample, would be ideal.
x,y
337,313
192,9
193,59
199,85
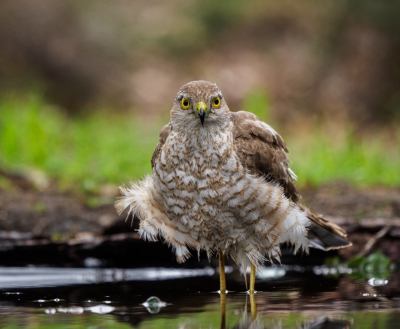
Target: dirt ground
x,y
27,214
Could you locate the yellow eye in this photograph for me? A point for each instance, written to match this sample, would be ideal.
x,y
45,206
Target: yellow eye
x,y
216,102
185,103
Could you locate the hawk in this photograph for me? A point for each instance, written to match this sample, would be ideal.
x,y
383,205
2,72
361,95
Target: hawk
x,y
221,182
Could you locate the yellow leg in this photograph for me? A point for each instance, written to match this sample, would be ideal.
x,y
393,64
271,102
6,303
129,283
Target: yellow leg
x,y
253,306
222,281
252,278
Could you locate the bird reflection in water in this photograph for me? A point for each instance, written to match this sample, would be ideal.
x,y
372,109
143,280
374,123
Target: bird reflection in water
x,y
254,321
244,321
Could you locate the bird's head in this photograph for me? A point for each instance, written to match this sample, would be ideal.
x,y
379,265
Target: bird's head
x,y
199,104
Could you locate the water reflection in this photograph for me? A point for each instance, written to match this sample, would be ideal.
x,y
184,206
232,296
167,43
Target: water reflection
x,y
297,299
255,320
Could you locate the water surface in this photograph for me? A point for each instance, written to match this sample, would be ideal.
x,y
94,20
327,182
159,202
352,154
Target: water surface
x,y
287,298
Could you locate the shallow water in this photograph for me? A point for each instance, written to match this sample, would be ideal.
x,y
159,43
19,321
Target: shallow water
x,y
287,297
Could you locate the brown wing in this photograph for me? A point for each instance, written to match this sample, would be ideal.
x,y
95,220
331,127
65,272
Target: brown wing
x,y
164,132
263,151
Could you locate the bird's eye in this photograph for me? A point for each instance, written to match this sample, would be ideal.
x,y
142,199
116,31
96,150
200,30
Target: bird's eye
x,y
216,102
185,103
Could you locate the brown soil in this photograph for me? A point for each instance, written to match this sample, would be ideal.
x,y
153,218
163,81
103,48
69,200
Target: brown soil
x,y
342,200
51,213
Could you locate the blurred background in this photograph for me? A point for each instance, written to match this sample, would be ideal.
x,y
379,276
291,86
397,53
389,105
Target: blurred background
x,y
86,86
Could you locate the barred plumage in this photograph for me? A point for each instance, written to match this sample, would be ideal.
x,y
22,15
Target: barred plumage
x,y
223,186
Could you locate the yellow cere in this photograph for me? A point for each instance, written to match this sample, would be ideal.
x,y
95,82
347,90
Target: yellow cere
x,y
185,103
216,102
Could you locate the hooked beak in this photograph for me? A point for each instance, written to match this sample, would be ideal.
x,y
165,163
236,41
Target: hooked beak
x,y
201,111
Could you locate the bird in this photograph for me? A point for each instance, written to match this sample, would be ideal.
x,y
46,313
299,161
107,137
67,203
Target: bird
x,y
221,182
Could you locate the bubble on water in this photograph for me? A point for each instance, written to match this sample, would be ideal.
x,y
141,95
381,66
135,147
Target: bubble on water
x,y
153,304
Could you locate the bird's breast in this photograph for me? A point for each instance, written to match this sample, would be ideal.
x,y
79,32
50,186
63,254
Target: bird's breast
x,y
201,185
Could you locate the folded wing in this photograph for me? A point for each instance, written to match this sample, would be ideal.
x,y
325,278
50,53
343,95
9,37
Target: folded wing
x,y
263,152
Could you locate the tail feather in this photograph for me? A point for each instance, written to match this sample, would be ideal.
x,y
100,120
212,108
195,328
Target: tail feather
x,y
323,234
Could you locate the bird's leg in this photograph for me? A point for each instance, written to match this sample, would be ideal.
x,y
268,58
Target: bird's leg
x,y
252,278
253,306
222,281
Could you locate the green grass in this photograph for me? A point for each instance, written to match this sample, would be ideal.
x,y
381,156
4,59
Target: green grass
x,y
319,157
80,152
110,148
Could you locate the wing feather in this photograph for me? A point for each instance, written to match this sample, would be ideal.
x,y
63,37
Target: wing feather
x,y
164,132
263,152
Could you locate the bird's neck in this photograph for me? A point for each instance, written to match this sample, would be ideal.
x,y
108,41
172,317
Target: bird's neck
x,y
208,136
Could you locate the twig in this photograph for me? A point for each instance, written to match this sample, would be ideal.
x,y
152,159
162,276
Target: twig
x,y
373,240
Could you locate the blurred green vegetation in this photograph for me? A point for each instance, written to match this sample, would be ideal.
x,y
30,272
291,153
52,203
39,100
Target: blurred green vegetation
x,y
319,157
209,318
81,152
108,147
375,265
62,321
363,268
